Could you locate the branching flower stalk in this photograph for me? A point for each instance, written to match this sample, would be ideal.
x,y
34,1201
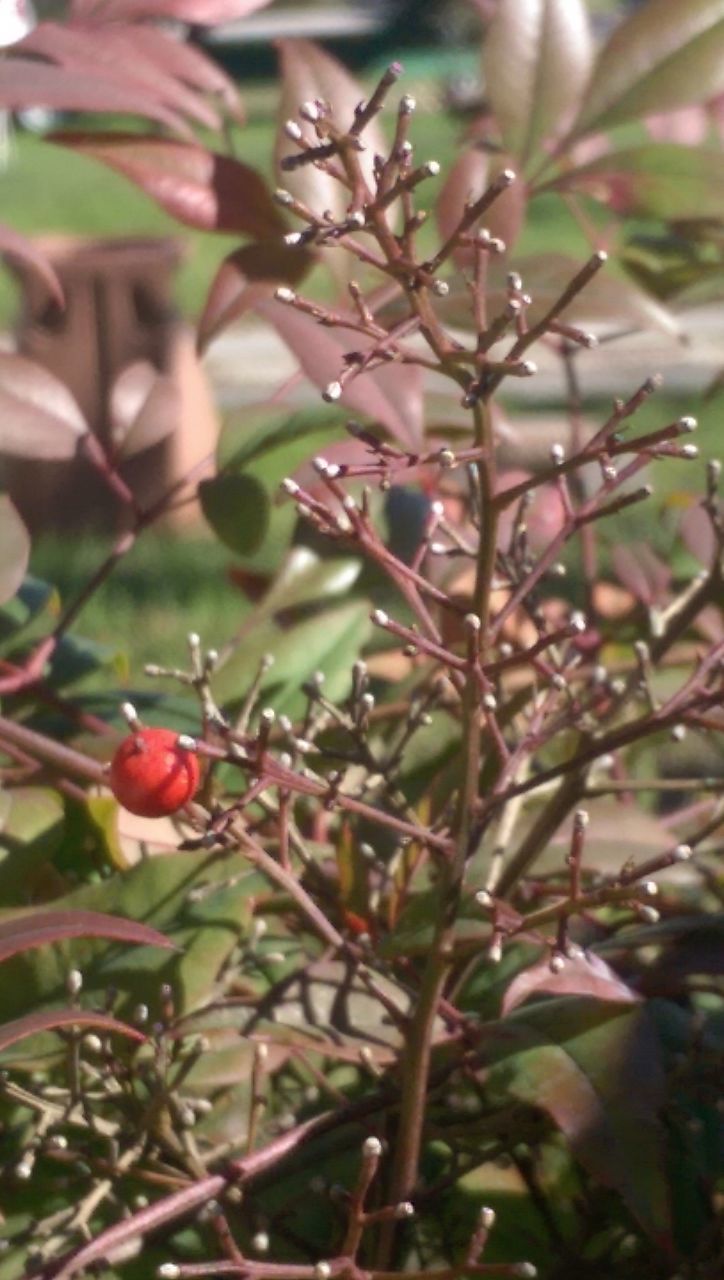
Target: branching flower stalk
x,y
479,375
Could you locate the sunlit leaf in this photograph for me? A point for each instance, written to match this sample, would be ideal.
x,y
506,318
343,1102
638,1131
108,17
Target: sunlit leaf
x,y
308,73
665,54
53,1019
581,975
391,396
205,12
27,82
145,408
38,928
473,171
38,416
198,187
113,54
15,543
201,906
536,59
659,180
329,641
248,274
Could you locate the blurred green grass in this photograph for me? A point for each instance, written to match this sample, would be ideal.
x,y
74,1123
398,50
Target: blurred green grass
x,y
168,584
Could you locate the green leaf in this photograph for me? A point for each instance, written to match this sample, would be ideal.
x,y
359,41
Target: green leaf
x,y
268,445
328,642
667,54
596,1069
34,610
536,60
304,578
15,543
659,180
237,508
31,828
414,932
259,429
203,903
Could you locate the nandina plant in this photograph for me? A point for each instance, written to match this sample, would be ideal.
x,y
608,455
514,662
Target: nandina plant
x,y
445,951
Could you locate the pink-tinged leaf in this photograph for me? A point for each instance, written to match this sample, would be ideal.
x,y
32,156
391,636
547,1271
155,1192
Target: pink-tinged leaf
x,y
468,178
536,61
15,543
308,73
27,82
390,395
188,64
595,1068
38,928
688,126
38,416
640,569
204,12
697,533
545,516
13,245
582,975
666,54
54,1019
145,408
244,278
658,180
113,53
199,188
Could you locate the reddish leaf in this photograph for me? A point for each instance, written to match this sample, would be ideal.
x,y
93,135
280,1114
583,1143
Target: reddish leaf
x,y
536,60
145,408
583,975
15,245
52,1019
596,1069
391,395
114,54
197,187
639,569
26,82
244,278
688,125
664,55
308,73
38,928
205,12
15,543
469,176
697,533
188,64
38,416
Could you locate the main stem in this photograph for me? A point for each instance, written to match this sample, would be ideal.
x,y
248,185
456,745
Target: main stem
x,y
416,1060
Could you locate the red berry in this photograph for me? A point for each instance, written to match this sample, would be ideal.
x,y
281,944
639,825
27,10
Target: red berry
x,y
151,775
